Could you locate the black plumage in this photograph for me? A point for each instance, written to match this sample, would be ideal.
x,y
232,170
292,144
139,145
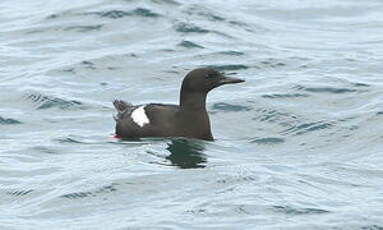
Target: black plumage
x,y
188,119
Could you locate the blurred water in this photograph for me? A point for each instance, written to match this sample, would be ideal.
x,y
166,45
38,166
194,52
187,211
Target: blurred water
x,y
298,146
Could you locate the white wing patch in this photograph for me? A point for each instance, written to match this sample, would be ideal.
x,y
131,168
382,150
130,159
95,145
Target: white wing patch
x,y
139,116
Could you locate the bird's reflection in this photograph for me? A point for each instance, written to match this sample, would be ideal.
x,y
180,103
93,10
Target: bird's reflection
x,y
186,153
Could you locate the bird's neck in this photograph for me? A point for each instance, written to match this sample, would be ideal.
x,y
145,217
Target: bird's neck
x,y
193,101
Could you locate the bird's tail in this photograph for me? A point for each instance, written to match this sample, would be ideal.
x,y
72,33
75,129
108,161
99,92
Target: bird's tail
x,y
121,106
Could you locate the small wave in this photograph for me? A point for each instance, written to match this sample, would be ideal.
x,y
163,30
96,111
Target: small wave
x,y
292,95
292,124
372,227
308,127
60,15
77,195
144,13
44,149
19,192
190,28
268,140
238,23
240,178
211,16
116,14
361,85
102,190
228,67
299,211
188,44
170,2
9,121
273,63
273,115
245,26
232,53
83,28
88,64
68,140
197,10
332,90
225,107
53,16
47,102
69,70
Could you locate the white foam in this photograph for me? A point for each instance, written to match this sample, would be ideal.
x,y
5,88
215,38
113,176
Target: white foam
x,y
139,116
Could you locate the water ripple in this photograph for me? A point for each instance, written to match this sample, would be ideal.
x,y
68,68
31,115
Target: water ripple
x,y
83,29
299,211
206,14
9,121
68,140
308,127
190,28
228,67
189,44
20,192
116,14
232,53
372,227
331,90
273,115
286,95
313,101
102,190
47,102
226,107
268,140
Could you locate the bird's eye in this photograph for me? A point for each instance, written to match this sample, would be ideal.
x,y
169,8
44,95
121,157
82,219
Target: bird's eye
x,y
210,76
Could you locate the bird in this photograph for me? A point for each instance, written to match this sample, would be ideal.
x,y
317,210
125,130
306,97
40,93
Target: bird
x,y
189,119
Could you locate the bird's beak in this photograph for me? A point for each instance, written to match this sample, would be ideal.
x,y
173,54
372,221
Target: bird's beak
x,y
230,80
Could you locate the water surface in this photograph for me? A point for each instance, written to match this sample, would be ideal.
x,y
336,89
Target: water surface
x,y
298,146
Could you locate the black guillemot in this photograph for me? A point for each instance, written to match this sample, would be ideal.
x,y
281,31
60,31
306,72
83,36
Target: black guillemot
x,y
188,119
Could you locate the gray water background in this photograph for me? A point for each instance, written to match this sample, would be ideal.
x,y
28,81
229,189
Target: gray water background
x,y
298,146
